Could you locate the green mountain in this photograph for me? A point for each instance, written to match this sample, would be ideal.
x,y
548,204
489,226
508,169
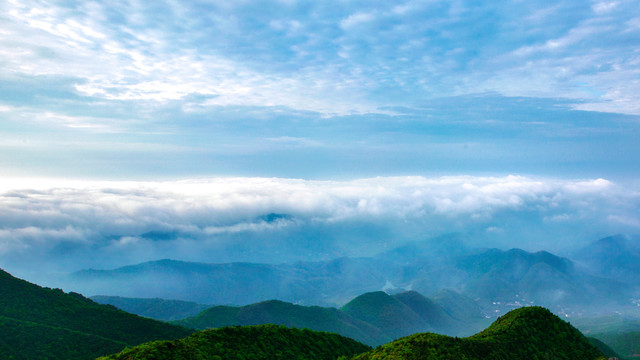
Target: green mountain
x,y
620,333
529,333
371,318
385,312
604,348
460,307
287,314
249,342
43,323
159,309
627,344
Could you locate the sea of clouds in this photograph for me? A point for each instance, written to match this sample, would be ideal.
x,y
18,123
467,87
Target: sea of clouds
x,y
58,225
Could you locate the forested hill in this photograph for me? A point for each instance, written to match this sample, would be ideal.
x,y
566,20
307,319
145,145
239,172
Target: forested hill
x,y
529,333
248,342
43,323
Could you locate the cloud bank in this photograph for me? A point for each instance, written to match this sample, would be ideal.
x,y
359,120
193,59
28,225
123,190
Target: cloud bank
x,y
68,225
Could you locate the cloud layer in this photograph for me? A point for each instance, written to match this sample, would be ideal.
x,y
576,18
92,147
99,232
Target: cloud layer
x,y
69,225
329,57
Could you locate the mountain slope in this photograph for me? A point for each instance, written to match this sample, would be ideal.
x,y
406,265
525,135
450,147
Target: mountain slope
x,y
287,314
159,309
499,280
529,333
627,344
385,312
69,320
25,340
249,342
615,257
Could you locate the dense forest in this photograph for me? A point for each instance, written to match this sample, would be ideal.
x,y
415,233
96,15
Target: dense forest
x,y
247,343
43,323
530,333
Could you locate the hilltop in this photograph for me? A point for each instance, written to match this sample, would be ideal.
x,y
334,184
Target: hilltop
x,y
287,314
371,318
248,342
528,333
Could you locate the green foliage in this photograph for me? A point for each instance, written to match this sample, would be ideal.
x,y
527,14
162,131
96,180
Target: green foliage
x,y
531,333
247,343
27,340
36,318
385,312
372,318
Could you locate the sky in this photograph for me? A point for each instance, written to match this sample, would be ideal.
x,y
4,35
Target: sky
x,y
156,99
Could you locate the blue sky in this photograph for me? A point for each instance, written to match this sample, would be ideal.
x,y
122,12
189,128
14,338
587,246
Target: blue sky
x,y
348,89
512,108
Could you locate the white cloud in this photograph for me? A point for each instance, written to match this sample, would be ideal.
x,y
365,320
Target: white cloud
x,y
603,7
356,19
45,213
144,65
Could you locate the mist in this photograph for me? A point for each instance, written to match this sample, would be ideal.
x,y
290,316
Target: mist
x,y
57,226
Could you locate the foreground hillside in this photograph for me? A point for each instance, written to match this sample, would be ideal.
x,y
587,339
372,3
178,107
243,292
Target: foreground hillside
x,y
250,343
529,333
42,323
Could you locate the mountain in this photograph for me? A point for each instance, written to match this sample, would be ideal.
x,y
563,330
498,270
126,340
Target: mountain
x,y
446,312
604,348
497,280
515,278
616,257
287,314
627,344
312,283
458,306
371,318
159,309
528,333
620,333
248,342
385,312
43,323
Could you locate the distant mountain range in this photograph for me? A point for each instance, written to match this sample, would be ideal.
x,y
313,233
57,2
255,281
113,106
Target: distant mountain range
x,y
614,257
497,280
43,323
